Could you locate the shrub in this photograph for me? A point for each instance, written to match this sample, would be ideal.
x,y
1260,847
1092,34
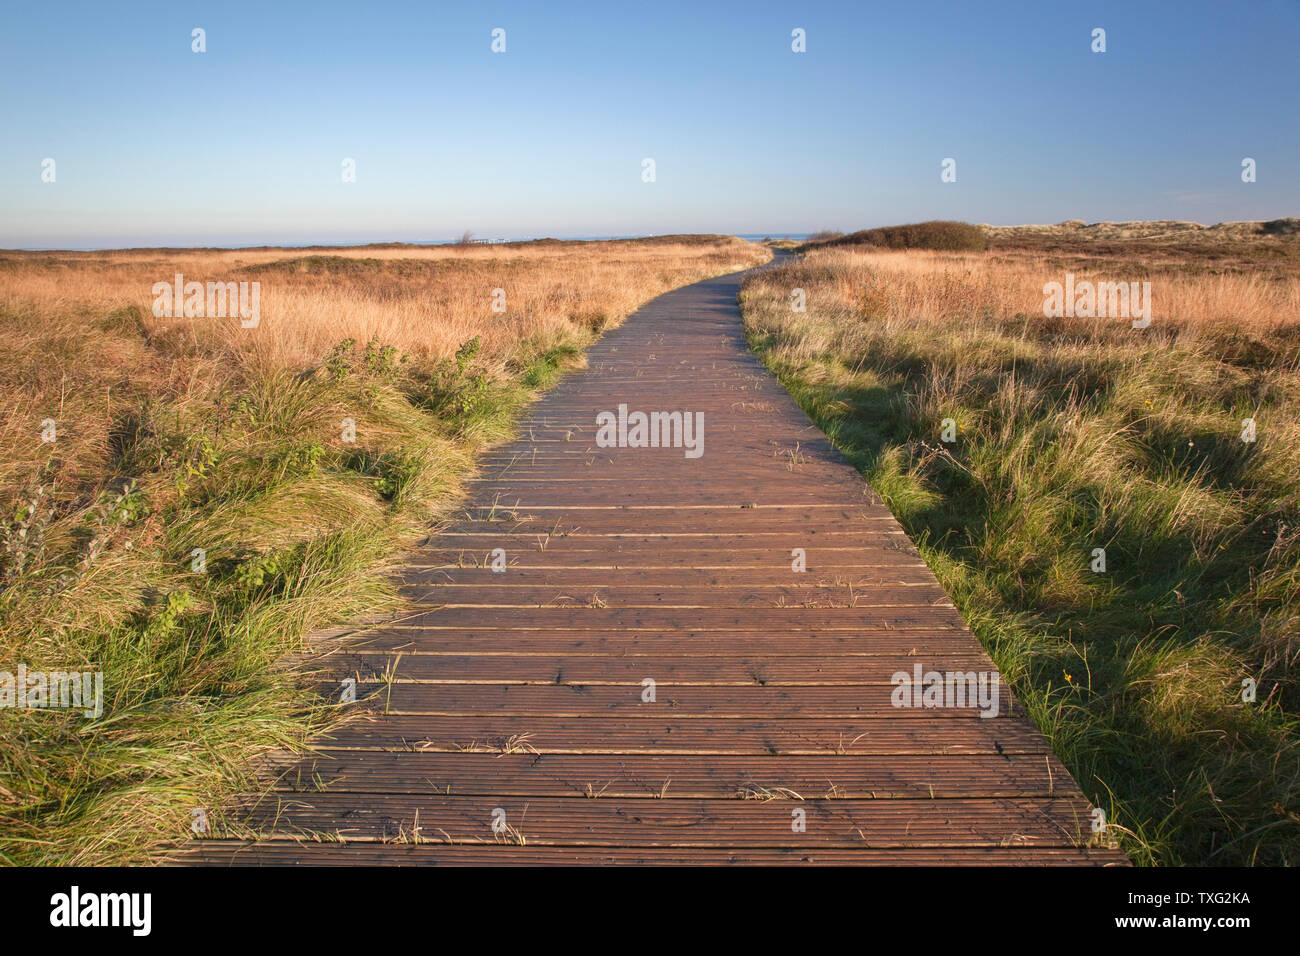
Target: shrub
x,y
941,235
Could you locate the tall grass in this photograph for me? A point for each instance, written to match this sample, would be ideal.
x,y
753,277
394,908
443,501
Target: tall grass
x,y
201,508
1074,435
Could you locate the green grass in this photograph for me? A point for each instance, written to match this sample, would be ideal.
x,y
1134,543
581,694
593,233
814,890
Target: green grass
x,y
298,528
1067,441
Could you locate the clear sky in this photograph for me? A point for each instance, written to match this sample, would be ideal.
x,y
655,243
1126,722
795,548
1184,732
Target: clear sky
x,y
243,144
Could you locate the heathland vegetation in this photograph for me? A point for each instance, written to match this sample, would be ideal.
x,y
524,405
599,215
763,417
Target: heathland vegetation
x,y
1016,448
185,498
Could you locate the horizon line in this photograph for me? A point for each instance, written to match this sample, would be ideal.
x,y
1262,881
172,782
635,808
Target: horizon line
x,y
499,241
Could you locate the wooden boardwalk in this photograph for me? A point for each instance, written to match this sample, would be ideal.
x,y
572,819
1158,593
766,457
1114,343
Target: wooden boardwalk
x,y
510,721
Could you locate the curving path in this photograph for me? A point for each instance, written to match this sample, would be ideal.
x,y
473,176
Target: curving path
x,y
519,729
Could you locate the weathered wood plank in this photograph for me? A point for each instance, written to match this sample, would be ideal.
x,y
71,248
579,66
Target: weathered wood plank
x,y
676,776
752,736
920,643
648,822
671,670
674,618
677,700
302,853
504,595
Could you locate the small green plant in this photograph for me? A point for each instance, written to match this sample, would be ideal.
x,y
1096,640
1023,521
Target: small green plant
x,y
303,459
127,506
391,472
467,353
195,455
382,360
546,368
457,390
339,361
22,539
258,570
168,619
110,513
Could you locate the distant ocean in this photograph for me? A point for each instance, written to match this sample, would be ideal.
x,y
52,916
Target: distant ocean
x,y
262,244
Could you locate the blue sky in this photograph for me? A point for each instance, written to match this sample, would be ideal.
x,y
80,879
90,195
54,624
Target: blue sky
x,y
243,144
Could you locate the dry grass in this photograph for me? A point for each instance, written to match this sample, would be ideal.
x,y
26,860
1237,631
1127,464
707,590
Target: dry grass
x,y
423,300
909,287
80,341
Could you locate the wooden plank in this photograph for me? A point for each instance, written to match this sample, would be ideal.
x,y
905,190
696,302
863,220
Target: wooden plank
x,y
549,536
752,736
758,580
504,595
648,822
737,522
298,852
910,777
625,700
713,618
568,553
670,670
920,643
723,491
